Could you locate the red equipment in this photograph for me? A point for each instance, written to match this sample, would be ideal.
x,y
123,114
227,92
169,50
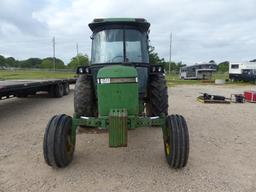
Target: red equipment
x,y
250,96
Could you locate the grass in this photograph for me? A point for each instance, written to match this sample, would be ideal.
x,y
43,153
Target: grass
x,y
174,79
22,74
220,76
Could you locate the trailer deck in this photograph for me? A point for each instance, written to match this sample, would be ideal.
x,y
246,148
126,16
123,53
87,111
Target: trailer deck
x,y
23,88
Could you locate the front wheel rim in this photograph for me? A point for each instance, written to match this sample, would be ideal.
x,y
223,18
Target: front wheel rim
x,y
167,148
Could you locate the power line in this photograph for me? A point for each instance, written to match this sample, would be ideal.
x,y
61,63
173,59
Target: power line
x,y
53,46
77,52
170,58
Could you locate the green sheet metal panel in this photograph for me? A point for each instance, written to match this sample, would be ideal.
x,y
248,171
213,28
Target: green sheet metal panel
x,y
118,128
117,71
117,88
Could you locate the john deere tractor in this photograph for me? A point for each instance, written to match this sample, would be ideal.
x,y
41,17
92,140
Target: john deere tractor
x,y
118,91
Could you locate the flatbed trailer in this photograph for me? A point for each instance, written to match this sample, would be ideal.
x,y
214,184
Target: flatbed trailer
x,y
23,88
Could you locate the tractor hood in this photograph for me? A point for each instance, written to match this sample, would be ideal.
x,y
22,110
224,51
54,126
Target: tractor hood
x,y
117,71
117,88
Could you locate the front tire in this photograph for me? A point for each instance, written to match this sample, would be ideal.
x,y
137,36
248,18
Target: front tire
x,y
57,146
177,145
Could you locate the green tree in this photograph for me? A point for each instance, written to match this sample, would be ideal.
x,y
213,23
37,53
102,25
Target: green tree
x,y
79,60
11,62
153,56
174,67
47,63
179,65
2,61
30,63
223,66
155,59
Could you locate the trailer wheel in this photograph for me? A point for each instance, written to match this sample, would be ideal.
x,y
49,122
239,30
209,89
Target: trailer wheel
x,y
57,146
158,96
66,89
177,145
84,99
56,90
59,90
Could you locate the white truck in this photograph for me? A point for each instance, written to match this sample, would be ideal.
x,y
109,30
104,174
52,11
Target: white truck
x,y
242,71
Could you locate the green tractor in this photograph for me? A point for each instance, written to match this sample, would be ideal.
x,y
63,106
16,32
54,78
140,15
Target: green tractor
x,y
120,90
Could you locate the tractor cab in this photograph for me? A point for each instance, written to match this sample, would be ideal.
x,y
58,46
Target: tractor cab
x,y
119,41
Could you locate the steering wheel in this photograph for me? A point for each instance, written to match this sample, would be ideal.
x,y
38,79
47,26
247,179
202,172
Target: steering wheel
x,y
112,60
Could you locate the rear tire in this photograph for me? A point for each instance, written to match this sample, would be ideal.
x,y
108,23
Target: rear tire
x,y
158,96
84,102
177,145
57,146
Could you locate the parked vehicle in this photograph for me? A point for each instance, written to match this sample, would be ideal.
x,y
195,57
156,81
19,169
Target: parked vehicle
x,y
198,71
24,88
242,71
113,93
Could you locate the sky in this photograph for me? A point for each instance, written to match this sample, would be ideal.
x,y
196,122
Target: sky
x,y
202,30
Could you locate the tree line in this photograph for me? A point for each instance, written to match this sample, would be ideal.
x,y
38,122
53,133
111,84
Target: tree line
x,y
45,63
175,66
83,59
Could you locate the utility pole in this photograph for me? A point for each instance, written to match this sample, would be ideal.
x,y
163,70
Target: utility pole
x,y
170,59
77,51
53,46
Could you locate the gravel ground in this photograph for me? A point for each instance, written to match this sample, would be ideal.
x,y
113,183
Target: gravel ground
x,y
222,155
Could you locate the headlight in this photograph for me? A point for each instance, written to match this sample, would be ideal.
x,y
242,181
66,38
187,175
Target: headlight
x,y
81,71
157,69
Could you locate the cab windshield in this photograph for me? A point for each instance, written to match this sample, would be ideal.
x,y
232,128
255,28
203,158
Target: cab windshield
x,y
119,46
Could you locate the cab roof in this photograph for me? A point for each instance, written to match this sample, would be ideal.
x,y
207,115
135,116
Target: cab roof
x,y
137,22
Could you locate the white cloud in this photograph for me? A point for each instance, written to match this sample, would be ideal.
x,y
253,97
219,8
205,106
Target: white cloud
x,y
202,30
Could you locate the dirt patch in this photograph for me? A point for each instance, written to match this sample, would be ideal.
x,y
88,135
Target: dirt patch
x,y
222,156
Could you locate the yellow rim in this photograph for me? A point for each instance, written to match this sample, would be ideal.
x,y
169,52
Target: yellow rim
x,y
167,148
69,145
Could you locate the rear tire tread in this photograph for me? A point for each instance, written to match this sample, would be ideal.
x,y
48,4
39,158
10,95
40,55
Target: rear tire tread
x,y
158,96
84,97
